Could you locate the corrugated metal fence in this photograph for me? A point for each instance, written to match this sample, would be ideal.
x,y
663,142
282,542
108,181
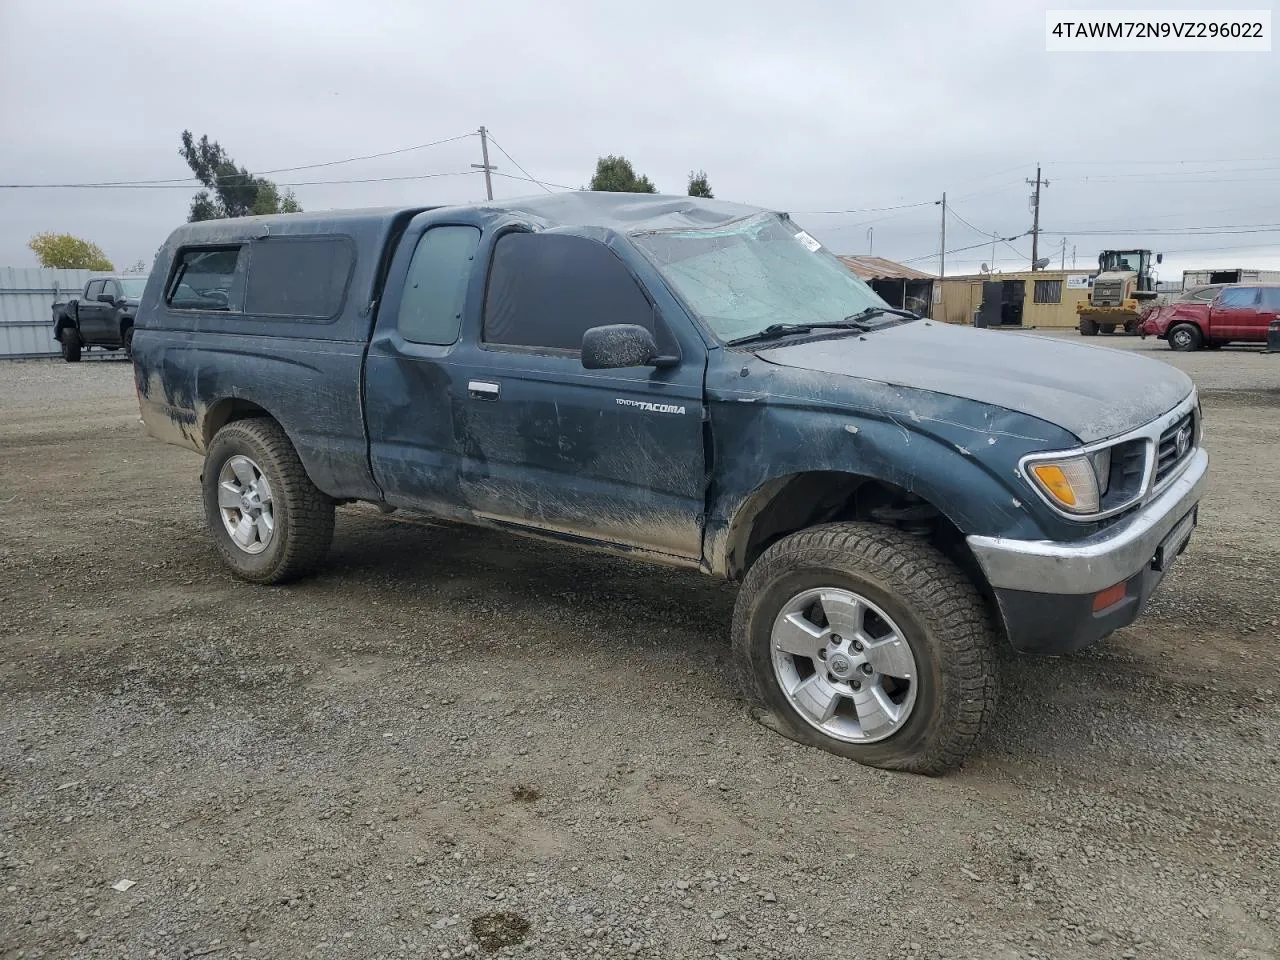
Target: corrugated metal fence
x,y
26,296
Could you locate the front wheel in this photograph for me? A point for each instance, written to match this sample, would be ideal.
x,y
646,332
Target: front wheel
x,y
269,521
1185,338
868,643
1107,328
1088,328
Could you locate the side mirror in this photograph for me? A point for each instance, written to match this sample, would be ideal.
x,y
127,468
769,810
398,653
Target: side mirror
x,y
619,345
106,298
1159,258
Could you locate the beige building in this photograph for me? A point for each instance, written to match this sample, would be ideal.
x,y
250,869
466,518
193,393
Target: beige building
x,y
1041,298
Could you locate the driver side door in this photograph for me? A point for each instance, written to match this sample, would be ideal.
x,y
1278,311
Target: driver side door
x,y
615,455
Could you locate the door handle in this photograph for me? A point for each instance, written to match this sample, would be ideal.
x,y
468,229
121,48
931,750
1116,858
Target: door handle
x,y
483,390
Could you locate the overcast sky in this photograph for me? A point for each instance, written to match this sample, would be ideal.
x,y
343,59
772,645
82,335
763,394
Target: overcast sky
x,y
805,106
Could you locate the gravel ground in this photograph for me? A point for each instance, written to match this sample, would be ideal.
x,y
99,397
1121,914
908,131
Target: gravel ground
x,y
452,743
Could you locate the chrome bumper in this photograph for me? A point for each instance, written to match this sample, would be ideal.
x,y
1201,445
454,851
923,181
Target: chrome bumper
x,y
1096,562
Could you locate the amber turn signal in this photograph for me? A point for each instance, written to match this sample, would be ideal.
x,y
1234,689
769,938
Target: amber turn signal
x,y
1108,597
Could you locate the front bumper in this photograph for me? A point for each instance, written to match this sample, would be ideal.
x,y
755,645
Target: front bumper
x,y
1046,588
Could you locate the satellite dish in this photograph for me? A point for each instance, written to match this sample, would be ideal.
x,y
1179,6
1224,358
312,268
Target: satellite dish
x,y
1040,264
984,269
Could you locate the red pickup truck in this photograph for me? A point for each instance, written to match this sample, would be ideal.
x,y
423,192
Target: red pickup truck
x,y
1239,313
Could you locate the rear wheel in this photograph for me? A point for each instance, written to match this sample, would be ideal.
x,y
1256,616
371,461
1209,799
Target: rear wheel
x,y
868,643
71,345
1185,337
268,520
1088,328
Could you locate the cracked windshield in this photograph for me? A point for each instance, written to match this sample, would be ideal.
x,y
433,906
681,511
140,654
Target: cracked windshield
x,y
763,270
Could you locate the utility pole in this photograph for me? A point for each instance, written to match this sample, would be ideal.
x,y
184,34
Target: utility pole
x,y
1035,221
1073,256
870,239
1064,253
487,167
942,245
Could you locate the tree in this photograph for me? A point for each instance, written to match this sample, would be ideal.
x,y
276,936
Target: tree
x,y
230,190
616,175
62,251
699,185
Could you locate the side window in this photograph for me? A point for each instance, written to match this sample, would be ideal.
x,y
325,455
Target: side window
x,y
1048,291
112,288
202,278
1238,297
431,307
94,290
546,290
298,277
1270,300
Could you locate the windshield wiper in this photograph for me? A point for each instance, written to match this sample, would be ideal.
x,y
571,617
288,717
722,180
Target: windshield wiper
x,y
870,312
776,330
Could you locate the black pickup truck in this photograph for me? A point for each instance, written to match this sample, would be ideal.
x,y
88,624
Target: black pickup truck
x,y
102,316
695,383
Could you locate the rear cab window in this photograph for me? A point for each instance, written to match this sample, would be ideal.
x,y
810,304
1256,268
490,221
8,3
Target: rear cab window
x,y
436,285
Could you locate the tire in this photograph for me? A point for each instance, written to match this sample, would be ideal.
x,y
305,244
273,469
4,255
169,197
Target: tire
x,y
1107,328
1088,328
126,340
299,521
936,610
71,345
1185,338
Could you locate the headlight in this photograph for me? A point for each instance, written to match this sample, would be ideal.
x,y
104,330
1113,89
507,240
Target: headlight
x,y
1070,482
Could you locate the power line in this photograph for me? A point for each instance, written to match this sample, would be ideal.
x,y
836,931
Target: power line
x,y
511,176
187,182
1228,228
293,183
1122,163
516,165
990,236
901,206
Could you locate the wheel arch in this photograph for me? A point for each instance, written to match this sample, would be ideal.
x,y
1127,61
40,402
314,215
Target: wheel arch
x,y
786,504
227,410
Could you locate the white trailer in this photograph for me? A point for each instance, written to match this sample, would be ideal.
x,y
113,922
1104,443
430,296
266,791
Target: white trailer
x,y
1198,278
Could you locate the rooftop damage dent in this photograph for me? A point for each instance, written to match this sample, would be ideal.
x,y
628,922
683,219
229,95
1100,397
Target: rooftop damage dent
x,y
1093,392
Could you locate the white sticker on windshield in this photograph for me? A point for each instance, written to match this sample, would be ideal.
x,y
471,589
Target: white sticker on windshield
x,y
812,245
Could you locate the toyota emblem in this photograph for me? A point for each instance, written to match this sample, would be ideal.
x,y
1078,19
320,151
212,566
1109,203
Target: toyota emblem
x,y
1182,441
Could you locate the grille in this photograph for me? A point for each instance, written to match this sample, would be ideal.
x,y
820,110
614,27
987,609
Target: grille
x,y
1168,456
1108,293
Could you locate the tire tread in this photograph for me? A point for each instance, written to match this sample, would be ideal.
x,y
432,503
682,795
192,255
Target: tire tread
x,y
310,513
954,612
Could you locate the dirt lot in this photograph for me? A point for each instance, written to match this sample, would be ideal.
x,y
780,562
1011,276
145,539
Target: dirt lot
x,y
450,724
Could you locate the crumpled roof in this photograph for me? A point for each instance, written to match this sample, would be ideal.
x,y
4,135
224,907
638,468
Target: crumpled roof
x,y
624,212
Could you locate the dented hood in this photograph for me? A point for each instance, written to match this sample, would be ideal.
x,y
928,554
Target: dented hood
x,y
1094,392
